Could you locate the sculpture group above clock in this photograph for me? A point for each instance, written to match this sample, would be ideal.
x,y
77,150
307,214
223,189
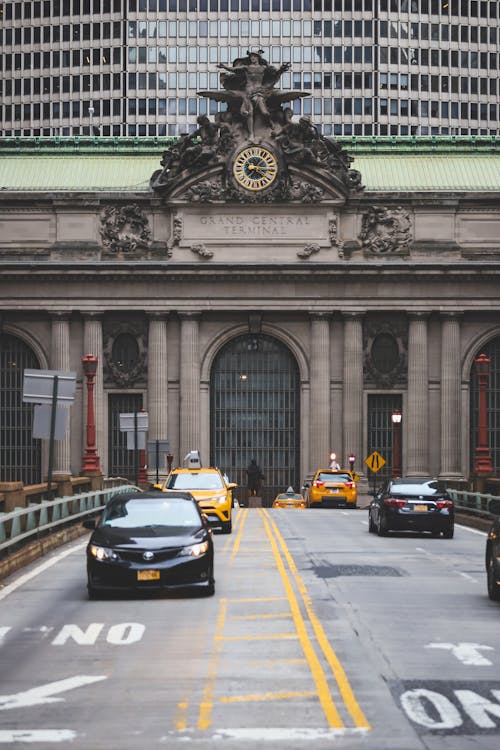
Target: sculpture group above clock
x,y
253,150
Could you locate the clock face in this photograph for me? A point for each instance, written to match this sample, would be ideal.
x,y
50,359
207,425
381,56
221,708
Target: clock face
x,y
255,168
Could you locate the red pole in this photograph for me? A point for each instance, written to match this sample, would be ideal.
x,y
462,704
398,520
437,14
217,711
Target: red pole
x,y
90,461
483,463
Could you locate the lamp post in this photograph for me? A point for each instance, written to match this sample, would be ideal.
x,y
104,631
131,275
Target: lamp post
x,y
396,443
482,463
90,462
142,475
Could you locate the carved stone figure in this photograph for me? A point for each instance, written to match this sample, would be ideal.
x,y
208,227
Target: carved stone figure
x,y
249,90
253,151
385,230
125,230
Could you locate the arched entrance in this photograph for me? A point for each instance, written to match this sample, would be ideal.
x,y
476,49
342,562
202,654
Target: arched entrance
x,y
20,455
255,413
492,351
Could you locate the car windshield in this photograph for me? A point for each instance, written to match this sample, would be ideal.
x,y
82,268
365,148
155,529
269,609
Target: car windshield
x,y
416,488
195,480
328,476
134,513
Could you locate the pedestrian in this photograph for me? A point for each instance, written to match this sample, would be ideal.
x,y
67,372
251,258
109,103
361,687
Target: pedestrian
x,y
254,478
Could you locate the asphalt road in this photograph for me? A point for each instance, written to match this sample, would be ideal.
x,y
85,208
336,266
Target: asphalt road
x,y
319,633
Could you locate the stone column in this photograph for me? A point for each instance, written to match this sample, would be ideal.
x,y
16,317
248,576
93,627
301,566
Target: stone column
x,y
60,360
353,389
157,380
319,422
190,385
450,397
415,421
92,344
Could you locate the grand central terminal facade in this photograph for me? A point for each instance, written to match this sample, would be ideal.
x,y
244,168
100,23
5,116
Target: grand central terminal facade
x,y
259,290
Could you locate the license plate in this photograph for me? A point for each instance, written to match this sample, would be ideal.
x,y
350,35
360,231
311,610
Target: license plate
x,y
420,508
333,490
148,575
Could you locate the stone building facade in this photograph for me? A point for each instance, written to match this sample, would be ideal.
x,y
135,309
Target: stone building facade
x,y
252,324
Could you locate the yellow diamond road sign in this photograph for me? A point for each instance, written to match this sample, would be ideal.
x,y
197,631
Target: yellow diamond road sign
x,y
375,461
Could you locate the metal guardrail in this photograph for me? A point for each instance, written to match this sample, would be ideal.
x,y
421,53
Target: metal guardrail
x,y
23,523
484,505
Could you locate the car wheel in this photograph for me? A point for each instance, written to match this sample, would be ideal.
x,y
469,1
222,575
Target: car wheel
x,y
448,534
493,587
227,527
382,526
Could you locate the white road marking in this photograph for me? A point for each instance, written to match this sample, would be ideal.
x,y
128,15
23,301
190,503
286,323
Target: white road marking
x,y
3,632
469,578
467,653
44,693
269,734
8,736
472,531
39,569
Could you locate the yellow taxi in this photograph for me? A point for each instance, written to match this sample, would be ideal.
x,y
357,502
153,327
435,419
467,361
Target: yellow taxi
x,y
289,499
212,490
332,488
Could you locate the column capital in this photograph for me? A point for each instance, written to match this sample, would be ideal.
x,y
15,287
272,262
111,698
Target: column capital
x,y
160,316
60,316
418,315
353,315
320,315
190,315
92,315
451,315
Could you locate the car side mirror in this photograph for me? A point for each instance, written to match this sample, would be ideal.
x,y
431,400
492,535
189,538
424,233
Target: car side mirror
x,y
231,485
494,506
89,523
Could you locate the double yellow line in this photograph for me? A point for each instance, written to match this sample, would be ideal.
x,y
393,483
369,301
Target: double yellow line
x,y
289,575
327,703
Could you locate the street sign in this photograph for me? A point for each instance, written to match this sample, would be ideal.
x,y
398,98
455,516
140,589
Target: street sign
x,y
375,461
41,421
38,387
128,423
50,389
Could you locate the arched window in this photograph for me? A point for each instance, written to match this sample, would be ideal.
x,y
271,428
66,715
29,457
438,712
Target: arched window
x,y
255,412
20,454
125,352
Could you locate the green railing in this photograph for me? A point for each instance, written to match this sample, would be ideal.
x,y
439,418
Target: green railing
x,y
23,524
485,505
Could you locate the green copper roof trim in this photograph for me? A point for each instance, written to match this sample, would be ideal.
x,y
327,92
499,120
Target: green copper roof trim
x,y
58,144
126,164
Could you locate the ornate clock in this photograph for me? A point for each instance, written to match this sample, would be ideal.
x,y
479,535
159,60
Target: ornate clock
x,y
255,168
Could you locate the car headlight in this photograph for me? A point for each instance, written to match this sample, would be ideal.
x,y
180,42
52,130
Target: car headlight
x,y
194,550
102,553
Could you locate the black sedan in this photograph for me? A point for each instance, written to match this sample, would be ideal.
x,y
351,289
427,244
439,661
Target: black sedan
x,y
493,554
412,504
150,542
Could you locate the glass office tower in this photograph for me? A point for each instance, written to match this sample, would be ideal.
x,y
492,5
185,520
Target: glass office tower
x,y
133,67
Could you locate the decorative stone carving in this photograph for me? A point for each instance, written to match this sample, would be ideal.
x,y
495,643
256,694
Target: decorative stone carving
x,y
118,372
176,235
309,250
386,230
385,351
333,234
253,151
201,250
125,231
